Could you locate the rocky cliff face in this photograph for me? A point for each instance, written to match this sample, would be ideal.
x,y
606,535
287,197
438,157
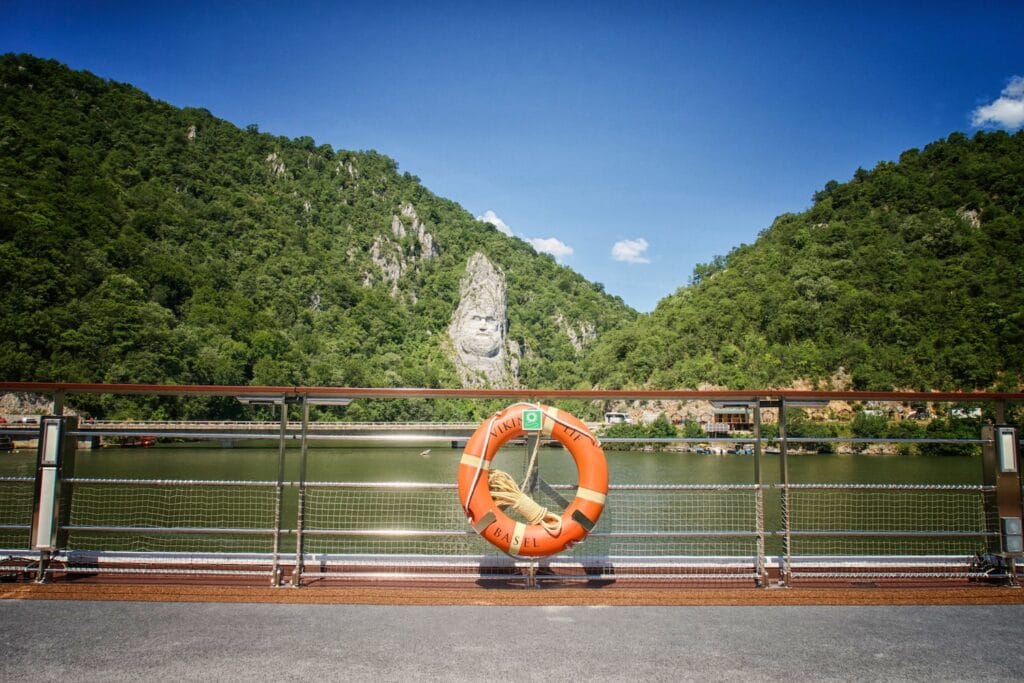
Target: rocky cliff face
x,y
395,254
579,334
276,164
483,353
20,403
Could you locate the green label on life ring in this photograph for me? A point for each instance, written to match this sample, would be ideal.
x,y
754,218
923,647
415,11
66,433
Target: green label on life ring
x,y
533,420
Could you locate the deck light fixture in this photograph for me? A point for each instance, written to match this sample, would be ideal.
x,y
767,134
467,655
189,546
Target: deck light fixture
x,y
54,462
1013,539
292,400
327,401
773,403
1006,444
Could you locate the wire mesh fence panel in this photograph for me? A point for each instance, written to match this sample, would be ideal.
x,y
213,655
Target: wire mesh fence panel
x,y
171,516
138,541
875,546
679,520
383,507
637,520
388,519
897,520
16,497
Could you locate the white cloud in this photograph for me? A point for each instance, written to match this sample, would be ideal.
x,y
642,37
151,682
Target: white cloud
x,y
492,218
1005,112
547,245
631,251
551,245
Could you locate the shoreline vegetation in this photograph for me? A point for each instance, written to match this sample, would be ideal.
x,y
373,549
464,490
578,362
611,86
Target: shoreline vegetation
x,y
863,426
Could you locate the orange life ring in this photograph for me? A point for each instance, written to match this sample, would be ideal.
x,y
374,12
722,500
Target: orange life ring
x,y
514,537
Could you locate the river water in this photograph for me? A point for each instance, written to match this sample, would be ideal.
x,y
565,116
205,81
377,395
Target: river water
x,y
389,463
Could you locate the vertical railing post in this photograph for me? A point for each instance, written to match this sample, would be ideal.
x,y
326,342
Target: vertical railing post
x,y
762,564
275,575
787,548
51,507
58,402
531,477
301,510
44,555
1000,412
1001,469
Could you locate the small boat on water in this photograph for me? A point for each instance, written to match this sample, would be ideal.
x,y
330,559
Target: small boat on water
x,y
134,442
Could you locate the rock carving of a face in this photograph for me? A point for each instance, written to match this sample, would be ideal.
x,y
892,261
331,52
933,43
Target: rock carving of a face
x,y
482,352
478,325
482,332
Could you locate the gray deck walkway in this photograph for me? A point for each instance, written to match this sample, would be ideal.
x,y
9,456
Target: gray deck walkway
x,y
68,640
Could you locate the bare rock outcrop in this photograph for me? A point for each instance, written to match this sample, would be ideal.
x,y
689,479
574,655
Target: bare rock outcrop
x,y
395,254
22,403
483,353
417,228
389,261
348,167
970,216
276,164
580,334
397,227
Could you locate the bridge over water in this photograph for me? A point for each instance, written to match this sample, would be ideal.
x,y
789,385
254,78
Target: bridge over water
x,y
292,428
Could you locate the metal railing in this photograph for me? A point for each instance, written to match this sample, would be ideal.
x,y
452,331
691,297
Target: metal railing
x,y
293,529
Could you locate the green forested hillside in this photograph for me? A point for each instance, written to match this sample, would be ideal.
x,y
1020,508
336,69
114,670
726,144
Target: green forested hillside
x,y
909,276
140,242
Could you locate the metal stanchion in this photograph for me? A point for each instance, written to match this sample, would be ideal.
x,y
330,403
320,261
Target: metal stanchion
x,y
1001,469
55,462
786,571
297,572
762,565
275,576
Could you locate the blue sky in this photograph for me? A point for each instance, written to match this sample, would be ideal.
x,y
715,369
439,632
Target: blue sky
x,y
633,139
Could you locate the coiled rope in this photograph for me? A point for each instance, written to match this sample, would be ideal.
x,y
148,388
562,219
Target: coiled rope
x,y
507,494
